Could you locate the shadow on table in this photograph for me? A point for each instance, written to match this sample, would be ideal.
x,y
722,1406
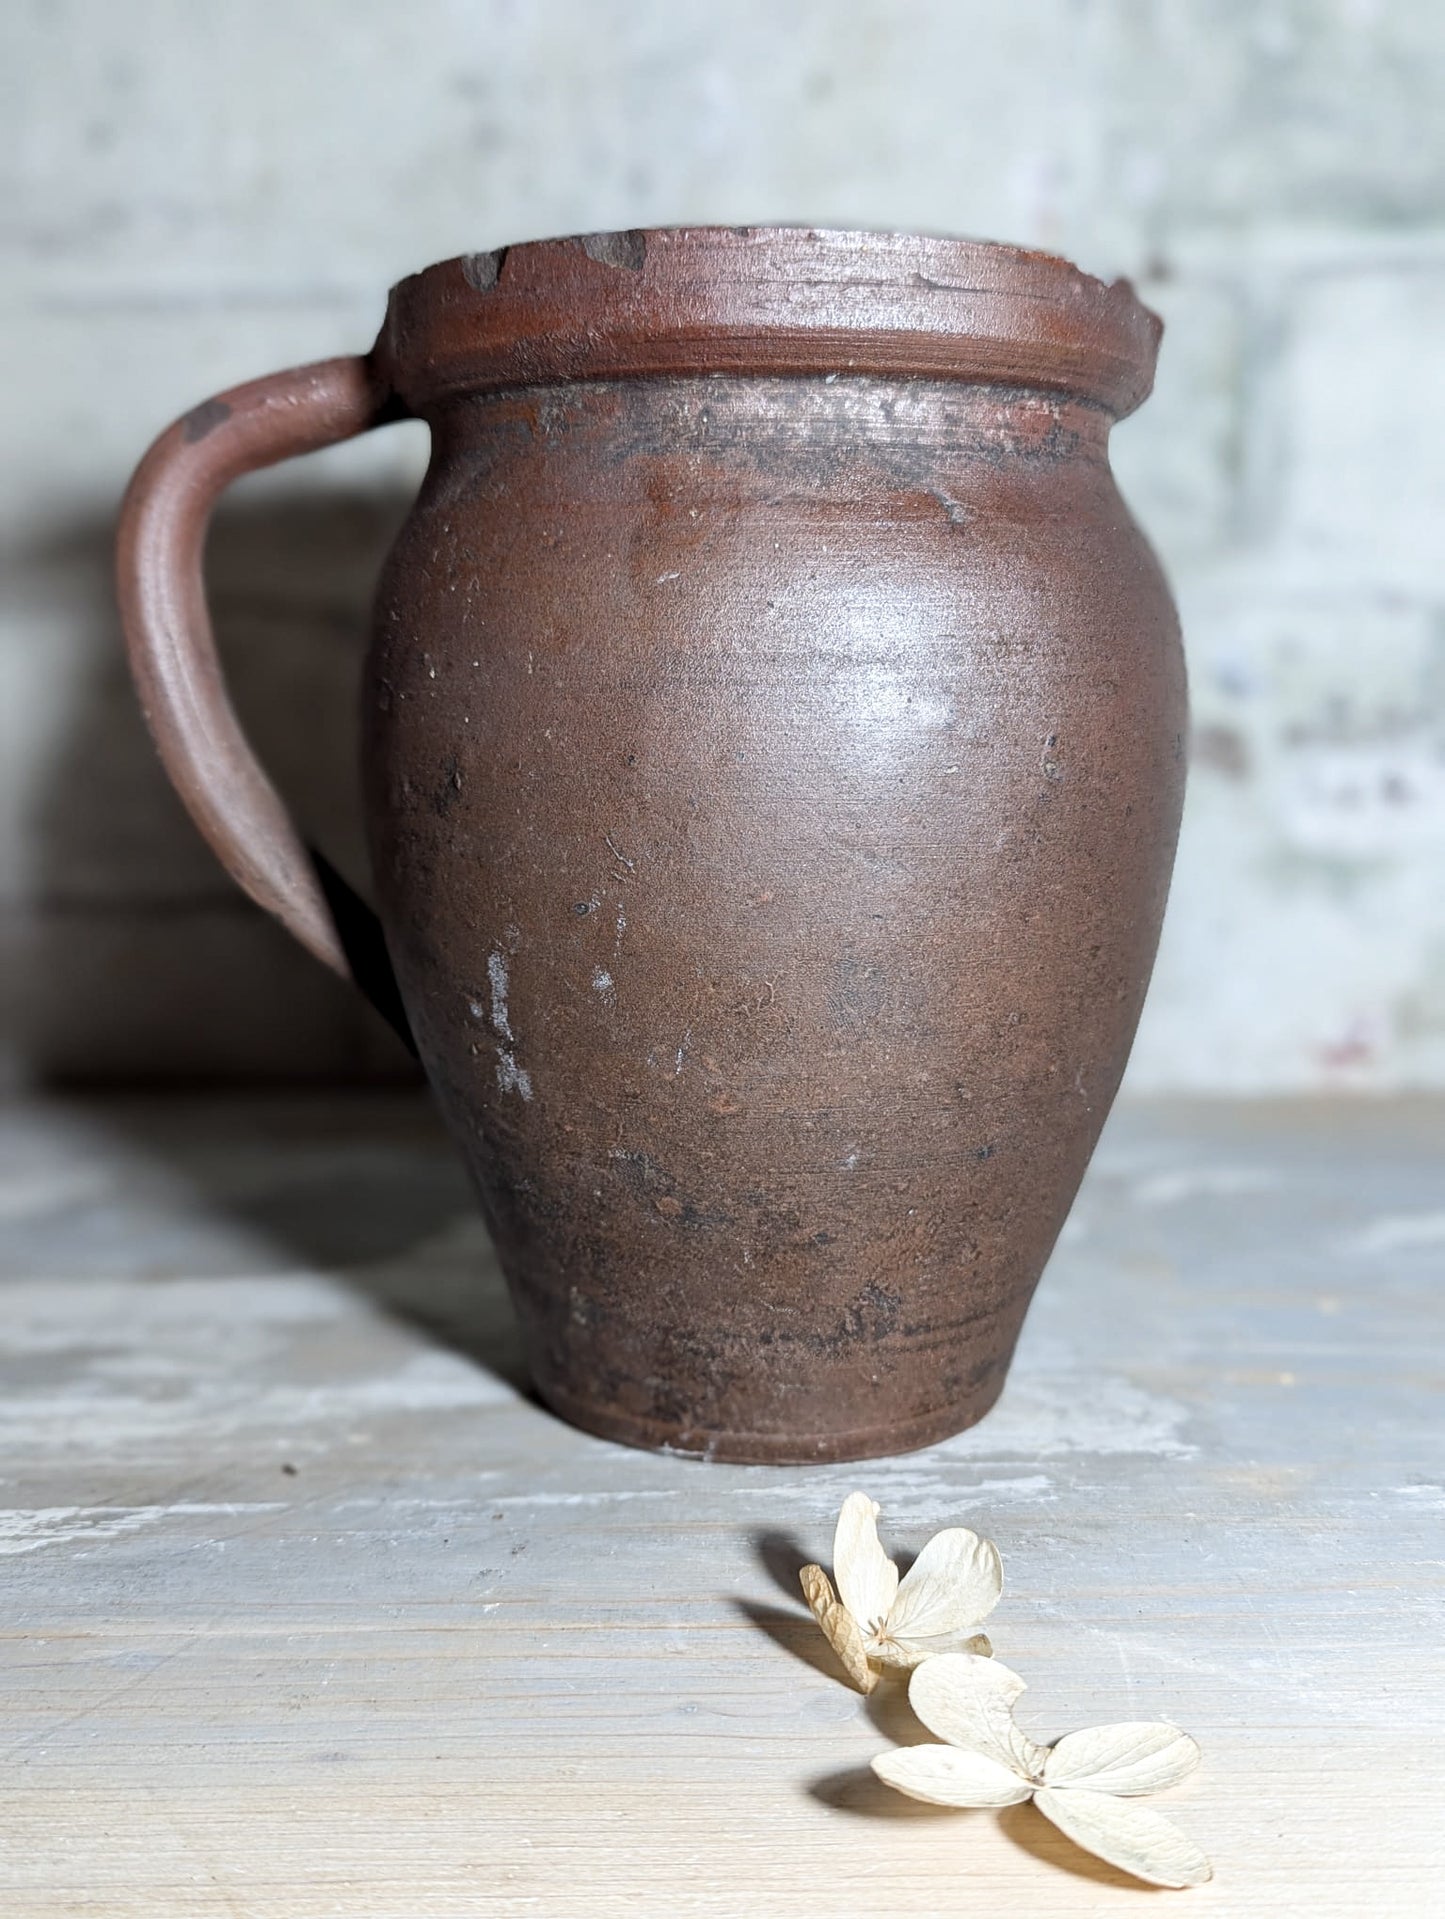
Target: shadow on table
x,y
396,1221
1032,1833
859,1792
796,1631
143,965
364,1191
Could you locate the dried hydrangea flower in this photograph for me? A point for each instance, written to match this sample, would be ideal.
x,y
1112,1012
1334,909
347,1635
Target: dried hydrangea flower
x,y
1084,1783
877,1619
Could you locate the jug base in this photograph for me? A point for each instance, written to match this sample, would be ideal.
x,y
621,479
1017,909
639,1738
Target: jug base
x,y
770,1449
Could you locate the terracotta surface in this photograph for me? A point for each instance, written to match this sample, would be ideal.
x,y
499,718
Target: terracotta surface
x,y
773,747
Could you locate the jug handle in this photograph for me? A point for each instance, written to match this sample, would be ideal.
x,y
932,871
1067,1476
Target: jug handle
x,y
159,551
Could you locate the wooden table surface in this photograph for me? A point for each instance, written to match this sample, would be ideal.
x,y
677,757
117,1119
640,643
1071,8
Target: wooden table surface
x,y
307,1609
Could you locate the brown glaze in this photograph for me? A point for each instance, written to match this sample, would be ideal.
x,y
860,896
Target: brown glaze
x,y
773,751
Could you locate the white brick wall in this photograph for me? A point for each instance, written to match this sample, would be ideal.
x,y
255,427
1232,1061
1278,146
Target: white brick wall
x,y
196,193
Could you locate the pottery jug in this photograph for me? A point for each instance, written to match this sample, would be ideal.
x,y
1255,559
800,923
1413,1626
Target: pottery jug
x,y
773,754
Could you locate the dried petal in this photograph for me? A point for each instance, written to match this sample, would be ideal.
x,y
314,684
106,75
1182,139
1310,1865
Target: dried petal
x,y
840,1629
946,1777
969,1702
913,1652
953,1584
1128,1836
1136,1756
867,1578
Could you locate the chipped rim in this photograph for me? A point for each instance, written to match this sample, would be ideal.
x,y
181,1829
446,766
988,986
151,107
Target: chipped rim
x,y
765,300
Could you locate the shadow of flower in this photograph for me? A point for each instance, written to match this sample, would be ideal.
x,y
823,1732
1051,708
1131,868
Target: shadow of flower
x,y
797,1634
1027,1828
782,1558
861,1792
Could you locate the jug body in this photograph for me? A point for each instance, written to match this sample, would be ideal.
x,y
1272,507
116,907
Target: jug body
x,y
773,757
772,785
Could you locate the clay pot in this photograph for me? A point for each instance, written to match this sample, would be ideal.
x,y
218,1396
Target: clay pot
x,y
773,751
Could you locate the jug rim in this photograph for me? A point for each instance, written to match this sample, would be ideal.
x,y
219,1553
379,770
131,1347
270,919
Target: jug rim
x,y
765,300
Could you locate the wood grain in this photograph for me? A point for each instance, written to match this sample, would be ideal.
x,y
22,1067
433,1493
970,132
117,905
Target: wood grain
x,y
459,1659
